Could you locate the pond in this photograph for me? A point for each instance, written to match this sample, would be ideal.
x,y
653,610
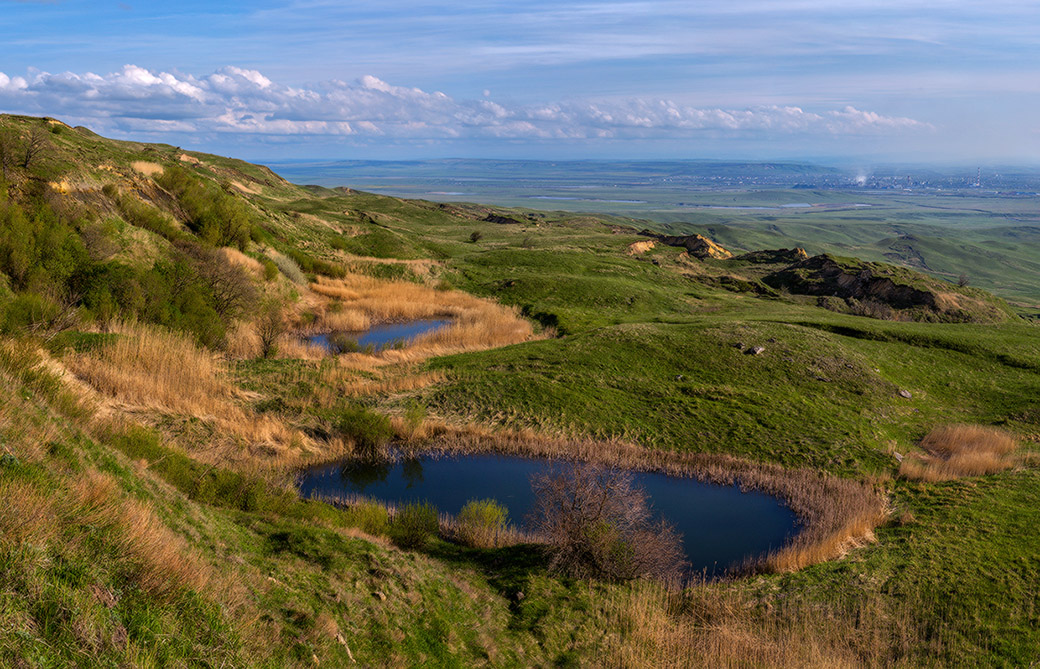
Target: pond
x,y
378,337
721,526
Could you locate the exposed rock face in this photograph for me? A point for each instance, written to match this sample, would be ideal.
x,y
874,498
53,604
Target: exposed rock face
x,y
775,256
640,247
501,220
696,245
863,284
824,275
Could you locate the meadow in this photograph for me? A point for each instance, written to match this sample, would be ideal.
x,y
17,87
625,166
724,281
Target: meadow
x,y
149,438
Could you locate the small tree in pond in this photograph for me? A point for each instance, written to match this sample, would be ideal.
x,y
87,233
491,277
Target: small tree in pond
x,y
597,523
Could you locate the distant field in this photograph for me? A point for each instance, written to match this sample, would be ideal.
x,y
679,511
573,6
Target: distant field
x,y
933,222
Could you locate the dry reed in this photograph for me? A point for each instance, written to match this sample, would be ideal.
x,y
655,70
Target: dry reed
x,y
154,369
955,451
357,302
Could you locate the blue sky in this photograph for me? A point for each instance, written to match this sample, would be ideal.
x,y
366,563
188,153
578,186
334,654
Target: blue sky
x,y
912,81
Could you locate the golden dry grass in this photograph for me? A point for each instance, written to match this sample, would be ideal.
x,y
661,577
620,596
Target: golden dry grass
x,y
242,342
235,257
657,625
157,370
161,560
955,451
28,514
358,302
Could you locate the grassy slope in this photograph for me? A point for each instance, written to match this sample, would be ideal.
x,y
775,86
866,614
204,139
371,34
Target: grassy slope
x,y
648,352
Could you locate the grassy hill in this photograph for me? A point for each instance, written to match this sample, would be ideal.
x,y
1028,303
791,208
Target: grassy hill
x,y
160,400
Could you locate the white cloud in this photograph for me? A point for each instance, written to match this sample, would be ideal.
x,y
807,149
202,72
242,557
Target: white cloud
x,y
240,101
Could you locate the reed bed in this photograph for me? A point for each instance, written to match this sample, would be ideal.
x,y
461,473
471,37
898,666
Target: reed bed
x,y
956,451
357,302
154,369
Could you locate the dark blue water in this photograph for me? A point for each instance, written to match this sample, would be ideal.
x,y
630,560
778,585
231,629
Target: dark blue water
x,y
721,526
383,336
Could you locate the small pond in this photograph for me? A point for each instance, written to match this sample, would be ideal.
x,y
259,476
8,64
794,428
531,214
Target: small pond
x,y
380,337
720,525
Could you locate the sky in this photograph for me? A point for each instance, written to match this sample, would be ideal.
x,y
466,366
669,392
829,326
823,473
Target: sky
x,y
835,80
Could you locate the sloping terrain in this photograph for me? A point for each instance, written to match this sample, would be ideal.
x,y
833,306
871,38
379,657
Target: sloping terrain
x,y
160,398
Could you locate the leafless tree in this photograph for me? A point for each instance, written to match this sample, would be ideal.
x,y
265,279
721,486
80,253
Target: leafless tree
x,y
233,291
37,143
598,523
963,280
269,327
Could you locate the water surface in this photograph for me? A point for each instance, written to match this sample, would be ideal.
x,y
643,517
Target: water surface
x,y
383,336
721,526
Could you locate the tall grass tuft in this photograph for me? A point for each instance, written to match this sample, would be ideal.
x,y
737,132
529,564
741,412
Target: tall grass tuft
x,y
482,523
954,451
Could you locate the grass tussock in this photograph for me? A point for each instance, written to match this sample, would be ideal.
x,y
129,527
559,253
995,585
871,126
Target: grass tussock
x,y
835,514
28,515
160,560
955,451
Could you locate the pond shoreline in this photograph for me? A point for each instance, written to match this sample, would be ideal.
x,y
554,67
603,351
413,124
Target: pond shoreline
x,y
834,514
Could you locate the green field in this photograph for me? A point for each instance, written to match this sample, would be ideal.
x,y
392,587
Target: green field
x,y
132,539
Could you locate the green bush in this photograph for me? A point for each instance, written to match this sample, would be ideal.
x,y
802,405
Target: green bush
x,y
28,311
370,431
481,522
414,525
270,269
370,517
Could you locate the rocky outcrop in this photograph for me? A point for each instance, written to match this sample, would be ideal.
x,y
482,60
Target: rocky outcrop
x,y
774,256
696,245
635,248
826,275
885,291
501,220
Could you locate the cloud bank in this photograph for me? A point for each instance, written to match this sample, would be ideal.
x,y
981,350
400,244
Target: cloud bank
x,y
239,101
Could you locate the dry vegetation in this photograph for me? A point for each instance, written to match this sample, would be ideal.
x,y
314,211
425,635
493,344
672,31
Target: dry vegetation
x,y
653,625
153,369
357,302
162,560
954,451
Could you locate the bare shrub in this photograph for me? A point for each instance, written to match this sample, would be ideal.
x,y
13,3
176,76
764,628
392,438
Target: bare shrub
x,y
269,328
598,524
37,144
953,451
232,289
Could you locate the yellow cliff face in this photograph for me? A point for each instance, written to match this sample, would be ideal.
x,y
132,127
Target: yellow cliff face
x,y
702,247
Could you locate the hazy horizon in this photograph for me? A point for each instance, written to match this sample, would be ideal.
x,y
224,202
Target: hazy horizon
x,y
918,82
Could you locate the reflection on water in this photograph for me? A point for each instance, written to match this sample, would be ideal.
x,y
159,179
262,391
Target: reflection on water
x,y
721,526
378,337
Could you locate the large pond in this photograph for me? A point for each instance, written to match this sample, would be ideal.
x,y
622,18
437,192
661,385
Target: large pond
x,y
721,526
378,337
